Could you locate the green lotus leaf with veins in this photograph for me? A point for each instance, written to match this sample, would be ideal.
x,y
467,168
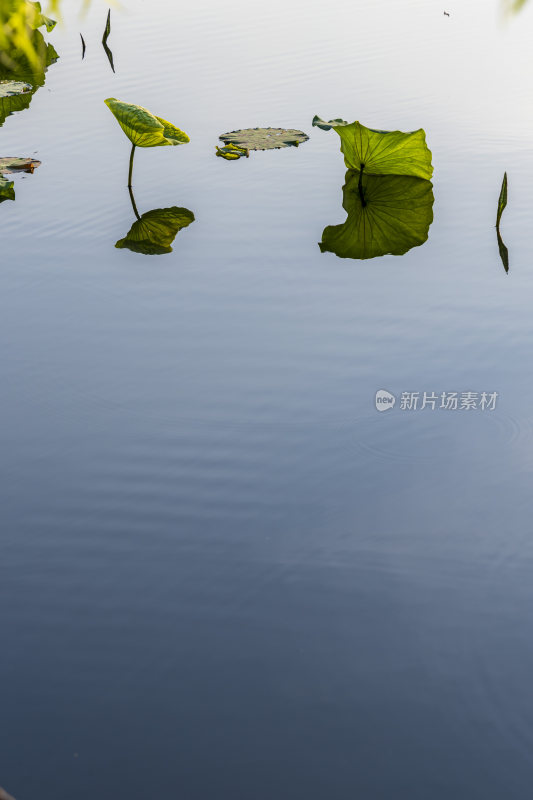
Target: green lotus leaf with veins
x,y
143,128
382,152
264,138
387,214
154,232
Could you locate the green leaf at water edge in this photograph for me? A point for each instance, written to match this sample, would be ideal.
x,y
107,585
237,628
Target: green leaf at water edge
x,y
155,231
40,19
143,128
395,216
382,152
502,200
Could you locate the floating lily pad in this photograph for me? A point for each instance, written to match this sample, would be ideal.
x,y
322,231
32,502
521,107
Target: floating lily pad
x,y
18,164
382,152
264,138
154,232
13,88
143,128
386,214
14,165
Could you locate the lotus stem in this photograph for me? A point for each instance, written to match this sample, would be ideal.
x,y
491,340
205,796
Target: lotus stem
x,y
131,166
360,187
134,206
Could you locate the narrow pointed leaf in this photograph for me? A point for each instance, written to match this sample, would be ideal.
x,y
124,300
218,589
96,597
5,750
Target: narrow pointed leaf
x,y
142,128
382,152
502,200
504,252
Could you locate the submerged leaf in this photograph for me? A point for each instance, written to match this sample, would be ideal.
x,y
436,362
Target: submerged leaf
x,y
502,200
264,138
382,152
142,128
386,214
155,231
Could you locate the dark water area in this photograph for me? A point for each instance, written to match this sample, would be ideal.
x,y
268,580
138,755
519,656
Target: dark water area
x,y
222,572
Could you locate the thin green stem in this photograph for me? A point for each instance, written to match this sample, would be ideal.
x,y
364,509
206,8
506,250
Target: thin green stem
x,y
360,187
133,204
131,166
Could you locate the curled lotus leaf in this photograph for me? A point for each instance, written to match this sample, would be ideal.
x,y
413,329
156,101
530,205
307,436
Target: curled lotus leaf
x,y
264,138
232,152
154,231
143,128
387,214
382,152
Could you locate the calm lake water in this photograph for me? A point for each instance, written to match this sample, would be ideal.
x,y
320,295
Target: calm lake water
x,y
224,574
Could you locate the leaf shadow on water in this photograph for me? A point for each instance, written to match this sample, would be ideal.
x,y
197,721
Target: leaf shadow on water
x,y
502,202
16,66
387,215
105,37
153,232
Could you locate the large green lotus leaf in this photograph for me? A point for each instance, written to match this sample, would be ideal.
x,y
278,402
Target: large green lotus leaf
x,y
396,216
155,231
143,128
264,138
382,152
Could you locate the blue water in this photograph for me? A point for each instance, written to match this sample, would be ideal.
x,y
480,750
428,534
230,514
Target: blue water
x,y
222,572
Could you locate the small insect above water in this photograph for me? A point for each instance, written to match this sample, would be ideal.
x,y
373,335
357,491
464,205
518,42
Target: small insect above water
x,y
446,14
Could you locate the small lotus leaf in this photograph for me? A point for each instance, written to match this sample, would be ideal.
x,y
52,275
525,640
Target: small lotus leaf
x,y
264,138
382,152
155,231
231,152
395,216
142,128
